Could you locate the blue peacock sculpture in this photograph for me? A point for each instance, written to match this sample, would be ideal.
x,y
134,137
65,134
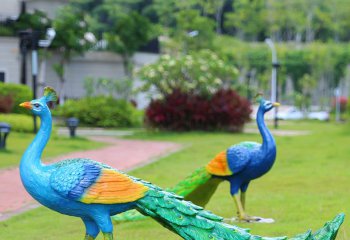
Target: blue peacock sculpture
x,y
93,192
239,164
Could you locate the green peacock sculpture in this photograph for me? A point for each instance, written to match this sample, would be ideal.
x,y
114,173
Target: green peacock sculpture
x,y
93,192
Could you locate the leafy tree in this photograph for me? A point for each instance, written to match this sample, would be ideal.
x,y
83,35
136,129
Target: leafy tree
x,y
101,15
37,20
121,87
188,21
339,15
165,11
248,18
296,65
117,21
72,38
306,84
130,32
214,7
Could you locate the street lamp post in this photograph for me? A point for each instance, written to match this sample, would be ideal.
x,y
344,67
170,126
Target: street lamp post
x,y
29,39
249,75
35,40
45,44
337,104
23,46
275,65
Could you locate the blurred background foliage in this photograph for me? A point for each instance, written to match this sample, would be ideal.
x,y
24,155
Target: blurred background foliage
x,y
208,46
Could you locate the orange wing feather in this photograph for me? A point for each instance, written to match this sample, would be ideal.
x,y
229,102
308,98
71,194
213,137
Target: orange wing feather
x,y
219,166
114,187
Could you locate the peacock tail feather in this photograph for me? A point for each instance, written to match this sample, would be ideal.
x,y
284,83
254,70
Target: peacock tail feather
x,y
192,222
190,183
330,229
187,186
128,216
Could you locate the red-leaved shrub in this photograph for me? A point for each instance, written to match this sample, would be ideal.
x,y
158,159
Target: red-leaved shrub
x,y
6,104
343,101
225,110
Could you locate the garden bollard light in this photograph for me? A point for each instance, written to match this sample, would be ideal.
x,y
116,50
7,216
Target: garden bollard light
x,y
4,132
72,124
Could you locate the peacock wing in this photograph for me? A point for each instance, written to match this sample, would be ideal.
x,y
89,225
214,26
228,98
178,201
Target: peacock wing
x,y
91,182
219,165
239,156
233,160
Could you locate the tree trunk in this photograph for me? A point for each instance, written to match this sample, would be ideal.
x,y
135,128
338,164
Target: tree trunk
x,y
61,91
298,37
127,65
310,35
218,17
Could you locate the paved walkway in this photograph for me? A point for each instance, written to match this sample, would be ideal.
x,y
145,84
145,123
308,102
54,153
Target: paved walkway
x,y
121,154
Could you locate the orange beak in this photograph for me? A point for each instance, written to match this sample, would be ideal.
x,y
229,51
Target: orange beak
x,y
26,105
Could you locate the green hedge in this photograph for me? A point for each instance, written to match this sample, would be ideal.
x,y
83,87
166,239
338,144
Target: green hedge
x,y
19,94
19,122
101,111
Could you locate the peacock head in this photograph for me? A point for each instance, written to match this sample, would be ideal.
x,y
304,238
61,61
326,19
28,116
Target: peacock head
x,y
265,105
39,107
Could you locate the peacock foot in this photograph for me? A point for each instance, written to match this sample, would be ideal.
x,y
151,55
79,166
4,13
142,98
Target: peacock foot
x,y
88,237
249,219
108,236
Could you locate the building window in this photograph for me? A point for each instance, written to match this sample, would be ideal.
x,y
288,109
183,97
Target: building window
x,y
2,76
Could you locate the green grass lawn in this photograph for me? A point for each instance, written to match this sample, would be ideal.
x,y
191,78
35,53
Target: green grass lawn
x,y
308,185
18,142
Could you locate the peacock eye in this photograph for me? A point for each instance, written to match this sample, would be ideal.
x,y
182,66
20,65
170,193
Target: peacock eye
x,y
36,105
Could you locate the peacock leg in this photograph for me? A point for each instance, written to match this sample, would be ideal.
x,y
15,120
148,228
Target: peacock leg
x,y
88,237
103,220
92,229
247,217
108,236
243,200
244,188
241,214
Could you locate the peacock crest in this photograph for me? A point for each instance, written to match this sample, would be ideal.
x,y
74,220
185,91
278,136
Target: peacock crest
x,y
259,97
50,94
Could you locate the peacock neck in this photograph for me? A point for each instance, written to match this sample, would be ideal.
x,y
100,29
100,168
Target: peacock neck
x,y
268,144
32,156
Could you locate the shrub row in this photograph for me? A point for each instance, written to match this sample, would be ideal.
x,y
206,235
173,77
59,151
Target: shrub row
x,y
11,95
101,111
179,111
19,122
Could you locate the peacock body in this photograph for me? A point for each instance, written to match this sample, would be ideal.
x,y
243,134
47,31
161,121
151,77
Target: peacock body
x,y
239,165
94,191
